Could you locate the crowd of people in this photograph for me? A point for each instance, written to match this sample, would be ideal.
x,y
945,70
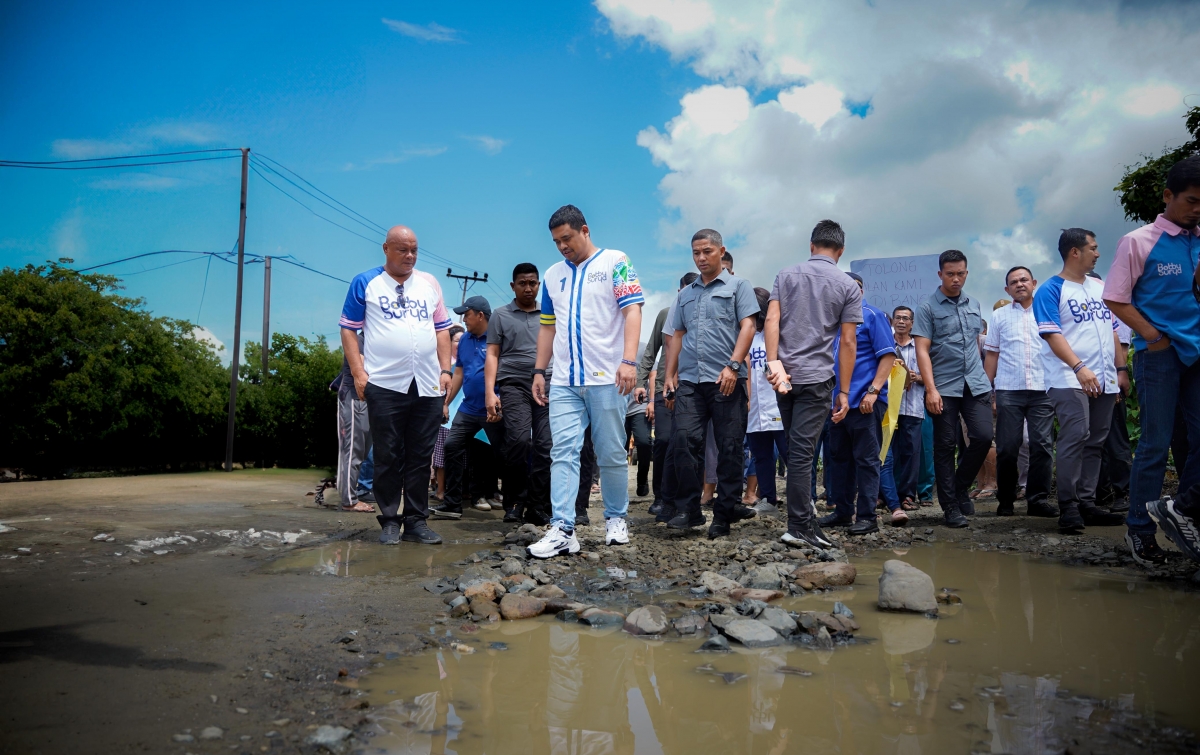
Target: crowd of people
x,y
737,382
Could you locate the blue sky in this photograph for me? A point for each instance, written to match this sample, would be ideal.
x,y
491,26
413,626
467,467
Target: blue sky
x,y
973,125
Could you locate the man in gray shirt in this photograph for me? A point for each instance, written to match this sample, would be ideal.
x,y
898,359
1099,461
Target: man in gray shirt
x,y
946,328
714,323
810,304
508,371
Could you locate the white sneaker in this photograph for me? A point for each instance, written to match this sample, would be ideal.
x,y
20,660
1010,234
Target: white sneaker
x,y
482,505
615,531
554,543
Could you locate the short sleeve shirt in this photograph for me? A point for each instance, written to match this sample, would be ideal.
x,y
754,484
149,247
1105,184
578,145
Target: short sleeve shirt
x,y
815,298
515,331
399,329
472,351
764,415
1078,312
1014,338
710,318
873,341
953,330
584,305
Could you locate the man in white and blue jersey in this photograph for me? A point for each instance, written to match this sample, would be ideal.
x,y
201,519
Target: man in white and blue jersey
x,y
590,323
1079,365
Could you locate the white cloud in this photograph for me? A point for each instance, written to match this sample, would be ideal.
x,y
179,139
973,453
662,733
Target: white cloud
x,y
203,334
431,32
86,149
395,158
488,144
987,130
69,240
149,138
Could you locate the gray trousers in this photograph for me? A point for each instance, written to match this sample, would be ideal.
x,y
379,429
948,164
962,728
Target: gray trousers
x,y
1083,424
354,441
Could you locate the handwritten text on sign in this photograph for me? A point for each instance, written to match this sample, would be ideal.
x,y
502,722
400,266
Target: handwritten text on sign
x,y
889,282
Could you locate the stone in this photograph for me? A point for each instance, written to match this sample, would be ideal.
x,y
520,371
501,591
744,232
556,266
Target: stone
x,y
182,738
554,605
949,598
483,590
752,633
567,615
808,622
646,620
825,574
778,619
749,593
762,578
511,567
718,584
692,623
721,620
715,644
840,609
475,574
824,640
211,732
541,577
331,738
484,610
599,617
513,607
460,610
903,587
458,601
548,592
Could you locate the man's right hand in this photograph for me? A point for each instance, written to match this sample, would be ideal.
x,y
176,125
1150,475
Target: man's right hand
x,y
360,385
650,410
933,401
539,389
1162,344
1088,381
492,402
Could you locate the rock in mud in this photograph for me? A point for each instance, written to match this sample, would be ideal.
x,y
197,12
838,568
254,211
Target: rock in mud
x,y
513,607
489,591
484,610
748,593
511,567
211,732
541,577
778,619
752,633
949,597
903,587
599,617
476,574
830,574
691,623
721,620
329,738
840,609
718,584
567,615
762,578
715,644
824,639
646,620
548,592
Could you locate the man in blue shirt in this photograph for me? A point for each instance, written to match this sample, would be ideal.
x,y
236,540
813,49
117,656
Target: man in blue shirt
x,y
471,416
854,442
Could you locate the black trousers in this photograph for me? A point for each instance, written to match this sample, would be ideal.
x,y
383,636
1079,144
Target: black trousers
x,y
1116,463
1013,410
664,428
804,409
976,411
695,405
462,430
854,448
404,428
638,428
906,456
526,449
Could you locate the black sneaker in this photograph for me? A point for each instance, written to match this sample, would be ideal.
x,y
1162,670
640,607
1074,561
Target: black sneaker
x,y
1144,549
390,534
666,513
1041,508
445,511
717,529
833,520
643,490
955,519
967,507
1119,506
582,520
1179,527
368,496
1005,509
742,512
1094,516
535,517
1069,520
810,534
655,508
512,515
416,531
685,521
863,527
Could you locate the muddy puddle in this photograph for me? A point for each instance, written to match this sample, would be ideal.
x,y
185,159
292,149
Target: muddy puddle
x,y
358,559
1039,658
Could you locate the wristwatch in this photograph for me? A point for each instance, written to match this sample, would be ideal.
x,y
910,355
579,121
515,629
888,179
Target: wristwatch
x,y
872,390
735,366
539,372
448,372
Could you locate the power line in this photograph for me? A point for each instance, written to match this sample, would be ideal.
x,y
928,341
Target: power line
x,y
139,256
314,188
160,267
302,266
8,164
120,157
314,212
368,225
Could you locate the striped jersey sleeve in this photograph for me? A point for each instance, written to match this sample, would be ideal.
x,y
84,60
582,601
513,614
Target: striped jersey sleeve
x,y
1046,307
547,317
354,310
626,287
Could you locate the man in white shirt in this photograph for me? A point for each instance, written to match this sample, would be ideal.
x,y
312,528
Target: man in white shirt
x,y
591,319
906,442
1080,370
402,372
1012,360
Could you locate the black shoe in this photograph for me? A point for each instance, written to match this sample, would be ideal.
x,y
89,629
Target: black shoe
x,y
666,513
445,511
685,521
1119,506
833,520
955,519
643,490
1069,520
368,496
1094,516
809,534
1005,509
582,520
967,507
416,531
390,534
717,529
863,527
1144,549
656,508
512,515
1041,508
535,517
741,512
1177,525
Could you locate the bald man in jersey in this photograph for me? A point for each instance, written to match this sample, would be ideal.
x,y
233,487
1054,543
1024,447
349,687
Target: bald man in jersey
x,y
402,372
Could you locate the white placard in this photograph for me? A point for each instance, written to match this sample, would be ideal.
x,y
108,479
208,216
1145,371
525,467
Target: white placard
x,y
889,282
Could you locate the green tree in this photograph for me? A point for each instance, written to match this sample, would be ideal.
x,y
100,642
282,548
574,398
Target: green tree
x,y
1141,187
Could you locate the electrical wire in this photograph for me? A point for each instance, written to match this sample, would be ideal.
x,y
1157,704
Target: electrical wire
x,y
139,256
121,157
204,289
314,212
302,266
160,267
7,164
357,214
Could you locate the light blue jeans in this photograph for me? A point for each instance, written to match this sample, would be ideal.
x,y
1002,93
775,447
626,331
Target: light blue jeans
x,y
572,410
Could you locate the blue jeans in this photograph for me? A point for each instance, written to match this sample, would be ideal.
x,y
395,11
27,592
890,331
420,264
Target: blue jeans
x,y
887,480
366,472
926,477
574,409
1165,388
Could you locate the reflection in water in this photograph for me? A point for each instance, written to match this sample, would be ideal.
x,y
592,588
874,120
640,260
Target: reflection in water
x,y
1106,665
369,560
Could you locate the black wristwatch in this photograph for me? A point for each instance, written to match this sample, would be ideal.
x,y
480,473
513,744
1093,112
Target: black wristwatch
x,y
536,371
448,372
735,366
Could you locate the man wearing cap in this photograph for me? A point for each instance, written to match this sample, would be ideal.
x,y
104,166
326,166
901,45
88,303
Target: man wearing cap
x,y
471,416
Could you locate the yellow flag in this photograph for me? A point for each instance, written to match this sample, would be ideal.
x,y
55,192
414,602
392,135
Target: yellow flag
x,y
892,418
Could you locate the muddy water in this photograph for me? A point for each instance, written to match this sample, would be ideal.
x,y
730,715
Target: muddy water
x,y
1039,658
351,559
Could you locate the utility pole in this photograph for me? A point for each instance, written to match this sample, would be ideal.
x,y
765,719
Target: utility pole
x,y
266,342
237,315
466,281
